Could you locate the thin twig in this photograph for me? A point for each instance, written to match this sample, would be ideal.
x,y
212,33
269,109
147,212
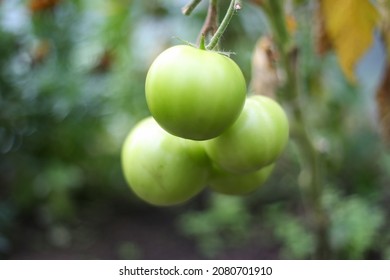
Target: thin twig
x,y
187,9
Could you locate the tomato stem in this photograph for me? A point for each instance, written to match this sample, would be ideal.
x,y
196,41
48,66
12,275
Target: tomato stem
x,y
233,6
312,190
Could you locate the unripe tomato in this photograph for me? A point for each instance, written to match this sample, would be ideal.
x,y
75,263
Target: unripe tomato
x,y
193,93
239,184
255,140
163,169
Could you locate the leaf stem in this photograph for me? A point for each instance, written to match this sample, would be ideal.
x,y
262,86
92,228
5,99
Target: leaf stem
x,y
224,24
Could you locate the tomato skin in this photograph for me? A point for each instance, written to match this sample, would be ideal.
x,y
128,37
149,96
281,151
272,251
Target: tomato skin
x,y
255,140
194,94
229,183
163,169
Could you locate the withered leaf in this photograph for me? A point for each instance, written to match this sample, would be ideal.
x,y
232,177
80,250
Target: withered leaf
x,y
383,105
349,26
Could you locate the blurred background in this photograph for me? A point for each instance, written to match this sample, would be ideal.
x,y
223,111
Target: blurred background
x,y
72,79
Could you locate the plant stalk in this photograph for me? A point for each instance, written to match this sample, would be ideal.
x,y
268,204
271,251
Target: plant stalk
x,y
311,162
224,24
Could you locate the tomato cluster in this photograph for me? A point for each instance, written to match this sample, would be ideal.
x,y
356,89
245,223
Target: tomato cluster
x,y
203,131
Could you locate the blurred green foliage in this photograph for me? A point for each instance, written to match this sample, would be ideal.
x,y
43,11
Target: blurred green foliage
x,y
129,251
224,224
354,224
72,86
297,241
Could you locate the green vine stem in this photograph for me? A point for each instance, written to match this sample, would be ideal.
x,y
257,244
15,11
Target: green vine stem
x,y
312,189
224,24
210,26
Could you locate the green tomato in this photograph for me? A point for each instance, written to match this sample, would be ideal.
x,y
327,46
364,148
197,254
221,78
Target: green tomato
x,y
239,184
163,169
194,94
255,140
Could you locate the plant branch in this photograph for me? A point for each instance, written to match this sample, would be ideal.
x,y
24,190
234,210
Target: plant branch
x,y
187,9
210,25
311,164
224,24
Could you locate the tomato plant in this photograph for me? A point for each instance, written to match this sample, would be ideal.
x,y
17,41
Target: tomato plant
x,y
160,168
239,184
255,140
194,93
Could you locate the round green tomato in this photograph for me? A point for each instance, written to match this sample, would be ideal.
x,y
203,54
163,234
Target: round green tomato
x,y
163,169
194,94
239,184
255,140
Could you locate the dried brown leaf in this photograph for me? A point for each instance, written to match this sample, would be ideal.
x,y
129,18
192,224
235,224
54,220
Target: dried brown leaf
x,y
40,52
383,105
291,23
40,5
323,42
264,71
257,2
349,25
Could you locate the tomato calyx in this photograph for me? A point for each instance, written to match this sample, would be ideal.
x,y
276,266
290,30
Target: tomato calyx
x,y
202,46
202,43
